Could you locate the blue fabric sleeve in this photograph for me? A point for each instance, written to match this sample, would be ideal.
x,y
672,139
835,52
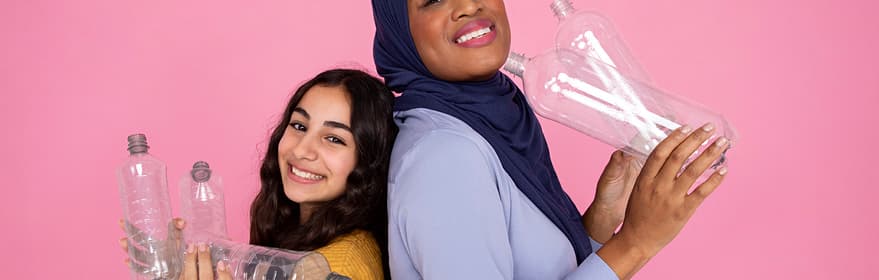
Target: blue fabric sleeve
x,y
595,244
593,267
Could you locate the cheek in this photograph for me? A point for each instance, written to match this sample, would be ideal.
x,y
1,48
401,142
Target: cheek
x,y
341,164
428,37
284,146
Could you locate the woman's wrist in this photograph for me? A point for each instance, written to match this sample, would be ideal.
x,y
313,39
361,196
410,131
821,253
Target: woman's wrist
x,y
625,255
600,223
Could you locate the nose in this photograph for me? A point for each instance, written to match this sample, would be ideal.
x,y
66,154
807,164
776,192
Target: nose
x,y
465,8
305,149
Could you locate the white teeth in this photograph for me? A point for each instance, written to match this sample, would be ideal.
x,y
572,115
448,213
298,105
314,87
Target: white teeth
x,y
306,175
472,35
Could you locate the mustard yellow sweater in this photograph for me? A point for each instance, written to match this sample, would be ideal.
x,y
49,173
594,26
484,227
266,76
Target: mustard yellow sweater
x,y
355,255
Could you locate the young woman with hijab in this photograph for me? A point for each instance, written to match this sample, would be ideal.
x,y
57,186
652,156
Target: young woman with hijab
x,y
472,190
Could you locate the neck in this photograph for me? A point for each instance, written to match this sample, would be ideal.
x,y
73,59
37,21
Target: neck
x,y
305,211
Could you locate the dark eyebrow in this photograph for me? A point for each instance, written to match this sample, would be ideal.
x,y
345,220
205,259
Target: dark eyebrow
x,y
337,125
301,111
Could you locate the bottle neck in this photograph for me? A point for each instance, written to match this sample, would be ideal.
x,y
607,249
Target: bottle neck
x,y
562,8
516,64
138,149
137,143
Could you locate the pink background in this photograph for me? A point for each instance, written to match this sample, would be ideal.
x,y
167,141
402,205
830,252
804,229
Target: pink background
x,y
206,80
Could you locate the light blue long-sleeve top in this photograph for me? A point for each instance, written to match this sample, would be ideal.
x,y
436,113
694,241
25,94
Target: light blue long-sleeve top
x,y
455,213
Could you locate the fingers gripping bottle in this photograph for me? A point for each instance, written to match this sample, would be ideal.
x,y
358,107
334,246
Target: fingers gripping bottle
x,y
204,208
594,98
143,189
593,35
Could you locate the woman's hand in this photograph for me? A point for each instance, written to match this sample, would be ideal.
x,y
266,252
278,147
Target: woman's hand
x,y
608,208
192,268
660,206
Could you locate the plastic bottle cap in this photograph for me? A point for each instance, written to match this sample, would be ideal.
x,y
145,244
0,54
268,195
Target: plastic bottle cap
x,y
201,171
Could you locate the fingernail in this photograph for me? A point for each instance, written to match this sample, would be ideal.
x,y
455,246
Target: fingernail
x,y
721,142
686,129
180,223
722,171
202,247
128,263
221,266
708,127
190,248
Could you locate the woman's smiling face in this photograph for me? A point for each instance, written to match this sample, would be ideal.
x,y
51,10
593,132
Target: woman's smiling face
x,y
460,40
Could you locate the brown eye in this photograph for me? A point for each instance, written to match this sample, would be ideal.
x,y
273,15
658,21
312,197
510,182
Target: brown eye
x,y
430,2
336,140
298,126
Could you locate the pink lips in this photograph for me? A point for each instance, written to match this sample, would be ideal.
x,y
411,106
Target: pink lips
x,y
473,26
298,179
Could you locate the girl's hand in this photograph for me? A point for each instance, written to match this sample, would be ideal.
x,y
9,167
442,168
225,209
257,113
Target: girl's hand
x,y
197,265
169,251
192,268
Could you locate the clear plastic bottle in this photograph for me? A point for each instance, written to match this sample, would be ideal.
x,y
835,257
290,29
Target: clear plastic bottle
x,y
250,262
594,98
593,35
143,189
204,208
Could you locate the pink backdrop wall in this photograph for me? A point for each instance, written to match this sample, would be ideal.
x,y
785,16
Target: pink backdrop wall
x,y
206,79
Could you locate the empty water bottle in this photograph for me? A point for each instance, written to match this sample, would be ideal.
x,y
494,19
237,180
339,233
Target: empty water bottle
x,y
250,262
594,98
143,189
592,34
204,208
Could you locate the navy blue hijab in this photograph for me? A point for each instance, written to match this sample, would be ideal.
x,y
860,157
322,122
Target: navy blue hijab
x,y
496,109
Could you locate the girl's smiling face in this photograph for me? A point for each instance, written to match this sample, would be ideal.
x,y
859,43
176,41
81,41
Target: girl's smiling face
x,y
318,152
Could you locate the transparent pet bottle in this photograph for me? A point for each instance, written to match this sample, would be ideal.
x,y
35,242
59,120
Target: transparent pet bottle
x,y
591,34
250,262
143,190
595,99
204,209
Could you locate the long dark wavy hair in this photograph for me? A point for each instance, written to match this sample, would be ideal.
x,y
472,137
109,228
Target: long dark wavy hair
x,y
274,218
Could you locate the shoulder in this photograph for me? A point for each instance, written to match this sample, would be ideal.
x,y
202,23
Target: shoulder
x,y
439,160
427,136
355,255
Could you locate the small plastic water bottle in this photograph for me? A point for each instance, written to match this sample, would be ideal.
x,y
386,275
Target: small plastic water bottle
x,y
250,262
204,208
143,189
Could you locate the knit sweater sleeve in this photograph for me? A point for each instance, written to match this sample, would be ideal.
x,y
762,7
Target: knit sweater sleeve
x,y
355,255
